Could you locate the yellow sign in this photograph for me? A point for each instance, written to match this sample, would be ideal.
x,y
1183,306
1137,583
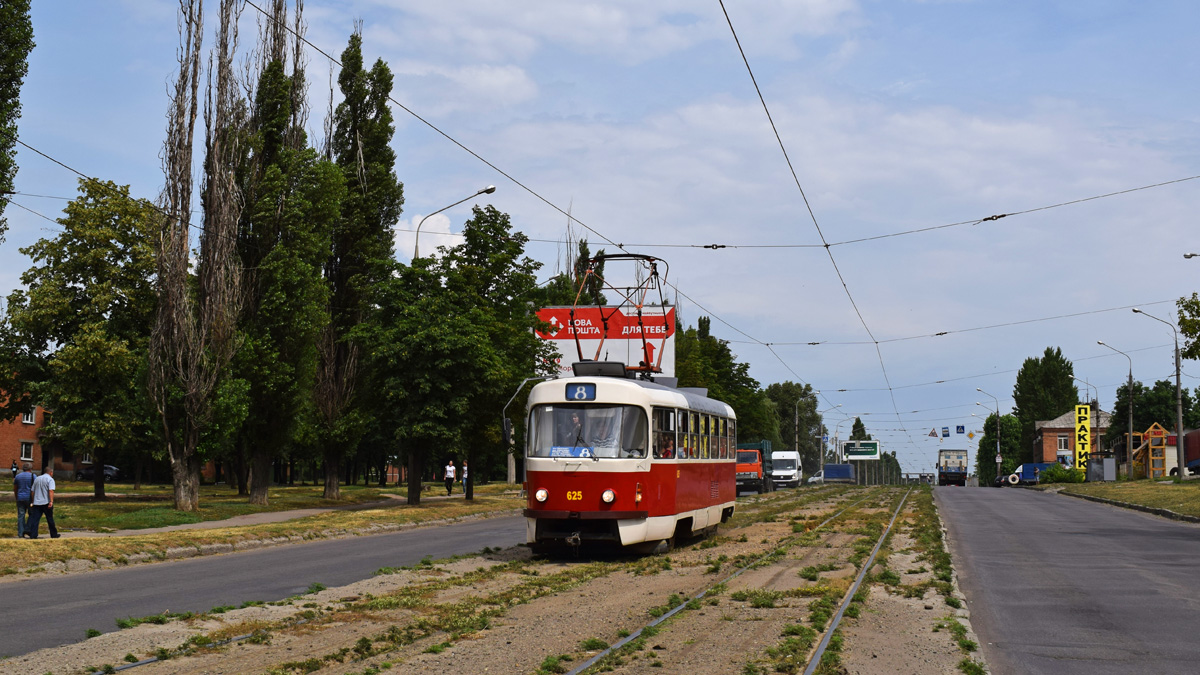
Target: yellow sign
x,y
1083,436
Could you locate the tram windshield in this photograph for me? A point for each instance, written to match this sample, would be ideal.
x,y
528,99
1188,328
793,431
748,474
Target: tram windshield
x,y
595,431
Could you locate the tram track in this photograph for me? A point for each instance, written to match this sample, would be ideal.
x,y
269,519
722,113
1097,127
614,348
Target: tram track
x,y
699,596
815,658
495,610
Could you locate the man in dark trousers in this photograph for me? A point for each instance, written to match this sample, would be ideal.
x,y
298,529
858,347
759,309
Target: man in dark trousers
x,y
449,477
23,490
43,504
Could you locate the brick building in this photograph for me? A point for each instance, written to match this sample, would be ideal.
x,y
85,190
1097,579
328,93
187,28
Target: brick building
x,y
21,441
1054,440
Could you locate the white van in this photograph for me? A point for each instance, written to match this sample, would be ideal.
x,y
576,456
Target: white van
x,y
785,468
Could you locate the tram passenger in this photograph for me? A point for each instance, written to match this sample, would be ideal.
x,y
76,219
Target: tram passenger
x,y
668,448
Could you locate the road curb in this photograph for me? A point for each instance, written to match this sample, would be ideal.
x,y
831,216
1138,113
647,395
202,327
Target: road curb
x,y
1165,513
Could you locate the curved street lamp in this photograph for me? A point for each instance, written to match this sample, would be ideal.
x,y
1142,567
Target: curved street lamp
x,y
1129,394
997,424
1180,453
417,239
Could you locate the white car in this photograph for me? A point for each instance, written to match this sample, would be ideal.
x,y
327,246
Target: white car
x,y
817,478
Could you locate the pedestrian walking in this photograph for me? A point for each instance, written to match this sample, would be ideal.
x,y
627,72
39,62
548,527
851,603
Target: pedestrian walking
x,y
464,474
23,491
43,504
13,470
449,477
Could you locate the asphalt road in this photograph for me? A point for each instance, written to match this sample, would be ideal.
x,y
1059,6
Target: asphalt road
x,y
1061,585
56,610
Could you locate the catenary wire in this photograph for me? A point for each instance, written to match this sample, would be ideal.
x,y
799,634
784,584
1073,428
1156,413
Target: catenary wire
x,y
811,213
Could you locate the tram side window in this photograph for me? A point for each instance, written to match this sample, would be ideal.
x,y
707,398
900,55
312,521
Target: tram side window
x,y
705,436
681,435
694,432
664,433
732,438
722,441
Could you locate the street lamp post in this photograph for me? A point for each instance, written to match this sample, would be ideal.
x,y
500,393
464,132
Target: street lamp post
x,y
417,239
819,412
837,430
997,425
1092,387
1129,395
1180,453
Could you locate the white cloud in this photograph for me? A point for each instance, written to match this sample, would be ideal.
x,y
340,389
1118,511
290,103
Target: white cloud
x,y
435,233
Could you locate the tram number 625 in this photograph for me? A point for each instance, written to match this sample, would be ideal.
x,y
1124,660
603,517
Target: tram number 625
x,y
574,495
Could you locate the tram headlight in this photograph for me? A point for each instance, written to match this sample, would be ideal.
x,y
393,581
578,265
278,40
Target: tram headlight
x,y
541,495
608,496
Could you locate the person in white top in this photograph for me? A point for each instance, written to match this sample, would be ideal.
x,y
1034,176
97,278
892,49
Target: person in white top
x,y
43,504
449,477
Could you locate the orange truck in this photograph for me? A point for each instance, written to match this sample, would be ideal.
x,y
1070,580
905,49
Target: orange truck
x,y
753,467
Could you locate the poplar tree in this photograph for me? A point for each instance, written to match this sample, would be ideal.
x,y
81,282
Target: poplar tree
x,y
1045,389
360,253
293,199
16,41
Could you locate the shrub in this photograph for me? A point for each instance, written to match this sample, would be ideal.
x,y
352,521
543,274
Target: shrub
x,y
1061,474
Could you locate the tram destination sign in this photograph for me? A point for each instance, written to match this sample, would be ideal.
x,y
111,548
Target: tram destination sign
x,y
860,450
622,342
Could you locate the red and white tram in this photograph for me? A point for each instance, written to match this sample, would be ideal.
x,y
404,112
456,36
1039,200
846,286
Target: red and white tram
x,y
628,461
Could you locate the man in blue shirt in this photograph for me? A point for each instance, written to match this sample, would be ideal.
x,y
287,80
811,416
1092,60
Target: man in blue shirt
x,y
43,504
23,488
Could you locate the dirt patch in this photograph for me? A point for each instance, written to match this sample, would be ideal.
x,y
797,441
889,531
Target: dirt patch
x,y
506,612
897,635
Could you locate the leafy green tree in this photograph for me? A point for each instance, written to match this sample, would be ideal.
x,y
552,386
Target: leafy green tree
x,y
490,269
1150,405
434,359
77,336
702,360
293,199
1010,448
800,427
1044,390
1189,326
360,252
858,432
16,41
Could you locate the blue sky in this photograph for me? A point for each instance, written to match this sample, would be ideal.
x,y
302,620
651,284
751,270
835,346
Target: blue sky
x,y
642,119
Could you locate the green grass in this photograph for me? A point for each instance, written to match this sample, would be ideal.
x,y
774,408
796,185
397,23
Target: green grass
x,y
154,508
1183,498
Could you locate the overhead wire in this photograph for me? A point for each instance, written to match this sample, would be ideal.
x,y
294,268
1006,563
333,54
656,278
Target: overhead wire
x,y
812,215
448,137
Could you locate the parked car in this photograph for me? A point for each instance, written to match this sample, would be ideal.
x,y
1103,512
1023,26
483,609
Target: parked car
x,y
817,478
88,473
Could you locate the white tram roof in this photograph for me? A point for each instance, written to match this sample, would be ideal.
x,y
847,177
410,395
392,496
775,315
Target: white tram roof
x,y
627,390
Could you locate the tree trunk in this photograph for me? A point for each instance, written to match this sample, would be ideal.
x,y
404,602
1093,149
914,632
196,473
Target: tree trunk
x,y
185,474
291,477
414,479
333,488
383,472
97,474
260,476
242,469
138,464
